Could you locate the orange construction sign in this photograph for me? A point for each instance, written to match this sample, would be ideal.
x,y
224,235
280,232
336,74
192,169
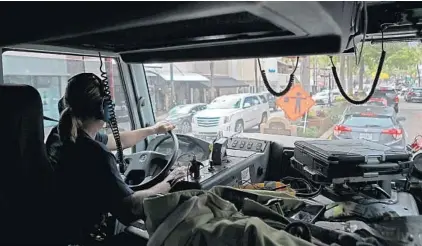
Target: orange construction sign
x,y
296,102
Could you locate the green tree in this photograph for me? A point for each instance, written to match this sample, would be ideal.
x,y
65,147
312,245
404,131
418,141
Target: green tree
x,y
401,58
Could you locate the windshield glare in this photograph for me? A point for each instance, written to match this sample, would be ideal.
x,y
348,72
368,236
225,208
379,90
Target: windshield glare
x,y
229,80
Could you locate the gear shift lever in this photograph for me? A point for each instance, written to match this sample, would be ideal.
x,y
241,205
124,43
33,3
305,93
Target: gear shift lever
x,y
195,168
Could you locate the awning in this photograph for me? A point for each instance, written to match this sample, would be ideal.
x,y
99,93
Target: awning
x,y
196,80
182,77
221,81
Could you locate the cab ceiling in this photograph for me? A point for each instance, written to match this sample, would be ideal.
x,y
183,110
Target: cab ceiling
x,y
182,31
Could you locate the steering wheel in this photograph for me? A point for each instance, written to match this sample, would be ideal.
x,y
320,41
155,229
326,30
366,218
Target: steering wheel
x,y
140,164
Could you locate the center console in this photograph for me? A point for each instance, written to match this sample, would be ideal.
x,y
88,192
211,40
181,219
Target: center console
x,y
245,162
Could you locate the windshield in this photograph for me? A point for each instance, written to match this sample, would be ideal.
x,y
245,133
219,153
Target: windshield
x,y
229,84
224,103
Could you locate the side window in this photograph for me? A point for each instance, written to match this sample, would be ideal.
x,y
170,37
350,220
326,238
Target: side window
x,y
237,104
49,73
255,101
247,102
263,99
251,101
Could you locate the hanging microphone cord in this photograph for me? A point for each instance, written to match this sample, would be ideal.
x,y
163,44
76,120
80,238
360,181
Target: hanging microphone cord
x,y
289,85
113,120
376,79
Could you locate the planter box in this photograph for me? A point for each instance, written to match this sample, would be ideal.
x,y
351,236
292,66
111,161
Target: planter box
x,y
323,124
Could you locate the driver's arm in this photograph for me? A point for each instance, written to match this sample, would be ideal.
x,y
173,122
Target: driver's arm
x,y
131,138
124,203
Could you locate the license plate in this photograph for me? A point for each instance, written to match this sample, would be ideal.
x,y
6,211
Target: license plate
x,y
367,136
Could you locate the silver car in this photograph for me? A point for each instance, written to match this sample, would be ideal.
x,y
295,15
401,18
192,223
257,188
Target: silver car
x,y
373,123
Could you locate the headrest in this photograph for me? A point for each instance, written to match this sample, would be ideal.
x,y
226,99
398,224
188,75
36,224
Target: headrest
x,y
22,126
24,166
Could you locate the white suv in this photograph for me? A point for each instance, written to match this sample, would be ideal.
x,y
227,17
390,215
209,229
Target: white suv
x,y
233,113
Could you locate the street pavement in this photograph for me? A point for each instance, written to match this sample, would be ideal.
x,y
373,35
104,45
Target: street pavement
x,y
413,114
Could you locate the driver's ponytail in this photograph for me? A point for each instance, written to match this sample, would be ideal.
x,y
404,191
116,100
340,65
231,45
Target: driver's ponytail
x,y
68,126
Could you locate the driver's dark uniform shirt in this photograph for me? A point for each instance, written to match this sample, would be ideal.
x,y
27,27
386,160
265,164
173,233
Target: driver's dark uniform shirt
x,y
53,144
89,186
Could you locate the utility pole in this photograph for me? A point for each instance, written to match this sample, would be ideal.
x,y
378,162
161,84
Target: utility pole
x,y
342,71
256,73
305,76
212,80
329,89
173,88
349,75
361,72
419,75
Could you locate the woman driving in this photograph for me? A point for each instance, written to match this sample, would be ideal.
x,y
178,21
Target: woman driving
x,y
88,181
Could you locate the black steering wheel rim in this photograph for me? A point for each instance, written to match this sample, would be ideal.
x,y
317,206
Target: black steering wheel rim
x,y
163,172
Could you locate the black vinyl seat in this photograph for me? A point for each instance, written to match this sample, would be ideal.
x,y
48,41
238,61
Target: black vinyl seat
x,y
26,175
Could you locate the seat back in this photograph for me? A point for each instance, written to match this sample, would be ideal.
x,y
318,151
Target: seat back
x,y
26,174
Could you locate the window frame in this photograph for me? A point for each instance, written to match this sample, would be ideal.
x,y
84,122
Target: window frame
x,y
126,79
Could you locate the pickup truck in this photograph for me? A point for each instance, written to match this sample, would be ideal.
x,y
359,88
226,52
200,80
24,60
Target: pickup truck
x,y
235,113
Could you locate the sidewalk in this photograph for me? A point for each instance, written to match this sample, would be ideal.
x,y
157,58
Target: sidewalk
x,y
327,134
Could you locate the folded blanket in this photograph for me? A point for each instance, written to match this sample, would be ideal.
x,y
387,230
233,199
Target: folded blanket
x,y
221,216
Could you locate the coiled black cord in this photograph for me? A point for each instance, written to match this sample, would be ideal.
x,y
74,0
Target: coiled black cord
x,y
376,79
113,120
268,86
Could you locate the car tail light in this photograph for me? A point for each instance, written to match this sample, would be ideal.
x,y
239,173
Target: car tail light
x,y
396,99
382,100
396,133
338,129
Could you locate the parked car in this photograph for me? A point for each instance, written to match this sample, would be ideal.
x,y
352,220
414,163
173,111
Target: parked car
x,y
373,123
414,95
234,113
389,95
181,116
323,97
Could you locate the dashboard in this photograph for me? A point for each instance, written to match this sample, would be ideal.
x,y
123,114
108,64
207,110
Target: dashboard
x,y
188,147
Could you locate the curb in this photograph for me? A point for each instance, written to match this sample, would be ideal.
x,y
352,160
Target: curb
x,y
328,133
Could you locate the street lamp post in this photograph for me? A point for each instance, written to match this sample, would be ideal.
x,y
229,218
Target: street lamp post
x,y
173,90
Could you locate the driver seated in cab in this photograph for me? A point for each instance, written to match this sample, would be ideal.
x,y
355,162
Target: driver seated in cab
x,y
128,139
89,185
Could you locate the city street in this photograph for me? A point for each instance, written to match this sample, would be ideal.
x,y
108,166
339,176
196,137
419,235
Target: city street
x,y
411,111
413,114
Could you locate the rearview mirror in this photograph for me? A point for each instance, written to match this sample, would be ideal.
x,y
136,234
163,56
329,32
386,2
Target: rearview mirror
x,y
401,118
246,105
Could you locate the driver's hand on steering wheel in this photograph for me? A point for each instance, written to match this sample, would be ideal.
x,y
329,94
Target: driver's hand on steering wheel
x,y
176,175
163,127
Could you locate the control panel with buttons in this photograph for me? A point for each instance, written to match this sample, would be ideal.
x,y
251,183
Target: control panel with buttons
x,y
254,145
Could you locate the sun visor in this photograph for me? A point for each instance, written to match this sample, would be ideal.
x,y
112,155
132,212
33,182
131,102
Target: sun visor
x,y
181,31
266,29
